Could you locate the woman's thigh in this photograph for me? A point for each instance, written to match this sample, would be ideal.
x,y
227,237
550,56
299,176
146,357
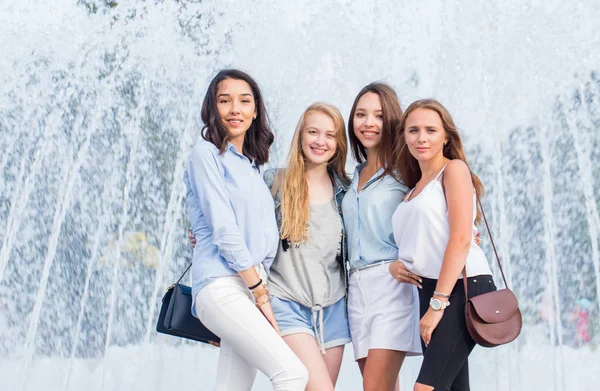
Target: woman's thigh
x,y
306,348
333,360
226,308
381,368
445,358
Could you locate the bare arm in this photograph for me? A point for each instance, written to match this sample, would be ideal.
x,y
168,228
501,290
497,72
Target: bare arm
x,y
459,197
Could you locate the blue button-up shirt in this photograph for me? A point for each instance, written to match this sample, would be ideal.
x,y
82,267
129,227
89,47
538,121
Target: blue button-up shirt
x,y
231,212
368,218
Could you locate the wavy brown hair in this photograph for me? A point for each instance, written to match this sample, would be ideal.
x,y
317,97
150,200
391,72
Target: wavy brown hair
x,y
392,114
408,166
258,138
295,210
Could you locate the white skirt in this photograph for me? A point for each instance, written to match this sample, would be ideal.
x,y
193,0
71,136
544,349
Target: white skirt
x,y
383,313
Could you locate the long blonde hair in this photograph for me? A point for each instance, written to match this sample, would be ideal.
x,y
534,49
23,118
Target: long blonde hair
x,y
295,209
408,166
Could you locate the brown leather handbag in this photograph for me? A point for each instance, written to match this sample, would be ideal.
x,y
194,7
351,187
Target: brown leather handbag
x,y
493,318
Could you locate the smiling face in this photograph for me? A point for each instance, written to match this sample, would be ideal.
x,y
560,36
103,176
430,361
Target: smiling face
x,y
368,120
237,107
424,134
318,139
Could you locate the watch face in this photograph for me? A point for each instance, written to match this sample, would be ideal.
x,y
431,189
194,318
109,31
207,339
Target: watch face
x,y
436,304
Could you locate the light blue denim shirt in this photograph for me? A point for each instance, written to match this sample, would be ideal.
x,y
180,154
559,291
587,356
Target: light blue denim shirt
x,y
368,218
231,212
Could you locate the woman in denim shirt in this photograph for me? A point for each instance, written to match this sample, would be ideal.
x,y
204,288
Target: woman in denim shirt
x,y
382,300
230,209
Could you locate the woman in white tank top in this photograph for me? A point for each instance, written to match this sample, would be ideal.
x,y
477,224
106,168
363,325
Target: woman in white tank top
x,y
434,229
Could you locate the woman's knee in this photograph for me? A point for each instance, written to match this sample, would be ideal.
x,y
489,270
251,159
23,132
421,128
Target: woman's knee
x,y
422,387
294,377
377,384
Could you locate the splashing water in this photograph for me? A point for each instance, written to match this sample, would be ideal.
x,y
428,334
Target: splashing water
x,y
99,107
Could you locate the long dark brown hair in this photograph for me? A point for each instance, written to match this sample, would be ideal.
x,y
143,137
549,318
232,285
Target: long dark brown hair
x,y
408,166
258,138
392,114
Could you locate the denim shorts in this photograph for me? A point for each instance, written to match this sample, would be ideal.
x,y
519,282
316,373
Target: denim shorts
x,y
294,318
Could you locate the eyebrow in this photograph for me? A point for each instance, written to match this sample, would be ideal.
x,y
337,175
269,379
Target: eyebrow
x,y
246,94
328,130
361,109
426,127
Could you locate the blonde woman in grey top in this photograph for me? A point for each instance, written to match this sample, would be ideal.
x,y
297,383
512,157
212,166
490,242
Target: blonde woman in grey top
x,y
308,277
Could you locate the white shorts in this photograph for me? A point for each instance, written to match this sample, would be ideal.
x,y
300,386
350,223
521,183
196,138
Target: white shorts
x,y
383,313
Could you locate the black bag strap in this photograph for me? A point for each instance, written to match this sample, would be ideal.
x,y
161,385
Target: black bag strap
x,y
186,270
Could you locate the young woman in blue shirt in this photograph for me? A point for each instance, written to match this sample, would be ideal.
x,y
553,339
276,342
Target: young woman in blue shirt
x,y
382,300
231,212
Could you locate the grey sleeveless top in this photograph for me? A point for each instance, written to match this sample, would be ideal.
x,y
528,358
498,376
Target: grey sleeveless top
x,y
309,272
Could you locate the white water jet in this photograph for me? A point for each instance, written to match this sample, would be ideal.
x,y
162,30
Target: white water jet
x,y
586,182
18,202
69,179
122,221
173,212
103,223
556,327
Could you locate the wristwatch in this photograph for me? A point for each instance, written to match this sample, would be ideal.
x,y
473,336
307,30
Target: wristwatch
x,y
437,304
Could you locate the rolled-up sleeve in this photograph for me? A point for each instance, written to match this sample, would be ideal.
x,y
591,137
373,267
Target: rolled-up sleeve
x,y
207,183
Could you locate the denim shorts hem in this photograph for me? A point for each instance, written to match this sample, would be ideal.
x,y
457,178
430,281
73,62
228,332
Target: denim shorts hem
x,y
302,330
296,330
337,342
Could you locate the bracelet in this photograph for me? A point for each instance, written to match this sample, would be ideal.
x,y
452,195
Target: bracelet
x,y
264,301
259,291
445,296
255,285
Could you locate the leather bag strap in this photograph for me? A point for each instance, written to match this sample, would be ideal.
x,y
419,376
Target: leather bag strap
x,y
487,226
492,241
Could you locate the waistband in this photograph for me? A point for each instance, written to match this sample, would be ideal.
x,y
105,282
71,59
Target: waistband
x,y
371,265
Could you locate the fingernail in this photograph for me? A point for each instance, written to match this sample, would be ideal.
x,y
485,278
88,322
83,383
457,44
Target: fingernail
x,y
420,287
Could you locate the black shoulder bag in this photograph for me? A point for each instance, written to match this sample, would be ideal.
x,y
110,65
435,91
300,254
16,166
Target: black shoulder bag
x,y
176,317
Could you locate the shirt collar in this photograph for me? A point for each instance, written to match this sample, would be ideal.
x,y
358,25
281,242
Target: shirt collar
x,y
234,150
355,178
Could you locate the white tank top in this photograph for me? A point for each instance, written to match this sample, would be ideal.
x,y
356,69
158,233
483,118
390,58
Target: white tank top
x,y
422,230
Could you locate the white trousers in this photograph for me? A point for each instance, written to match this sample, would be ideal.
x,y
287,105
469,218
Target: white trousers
x,y
248,341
